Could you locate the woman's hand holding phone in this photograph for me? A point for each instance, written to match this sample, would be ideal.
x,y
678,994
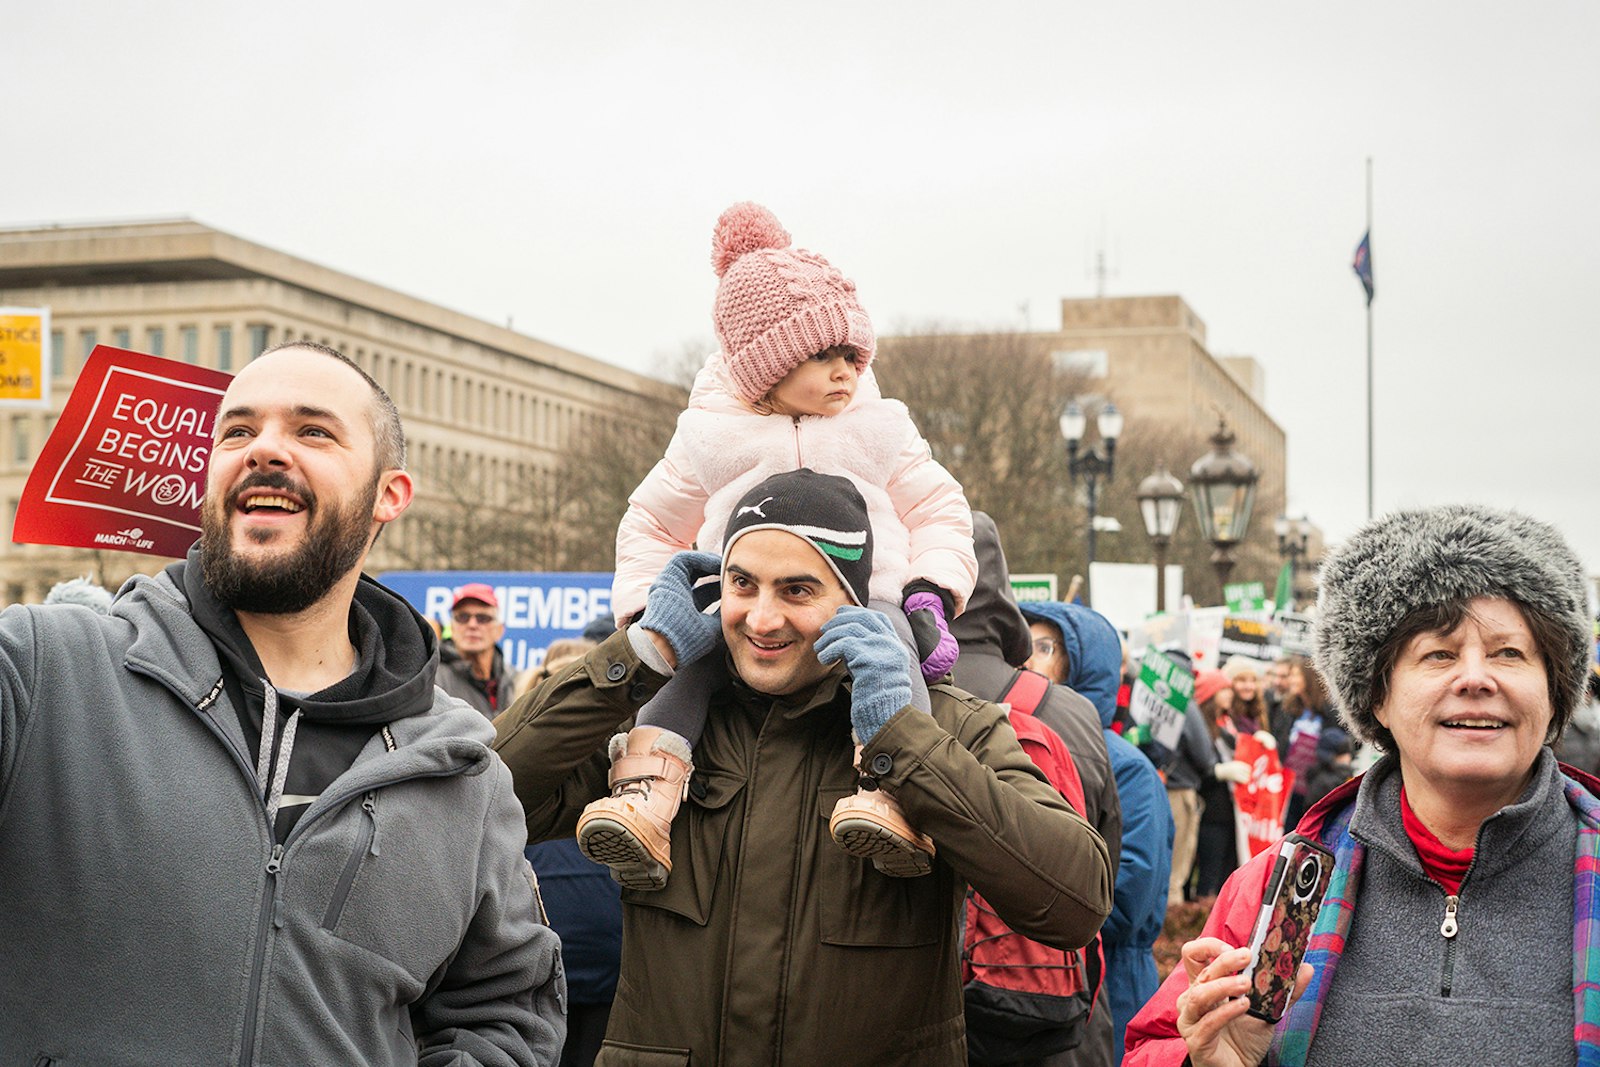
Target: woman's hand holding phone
x,y
1211,1012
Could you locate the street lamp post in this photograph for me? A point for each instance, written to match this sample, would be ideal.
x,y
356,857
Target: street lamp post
x,y
1294,535
1161,506
1090,464
1223,485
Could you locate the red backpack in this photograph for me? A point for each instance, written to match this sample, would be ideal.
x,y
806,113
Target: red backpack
x,y
1025,1000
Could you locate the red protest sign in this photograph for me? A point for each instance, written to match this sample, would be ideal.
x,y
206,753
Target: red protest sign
x,y
1259,804
125,466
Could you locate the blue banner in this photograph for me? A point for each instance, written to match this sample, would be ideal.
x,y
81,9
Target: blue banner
x,y
537,607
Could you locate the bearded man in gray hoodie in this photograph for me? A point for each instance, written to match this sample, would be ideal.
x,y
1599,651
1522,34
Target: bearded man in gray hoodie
x,y
238,823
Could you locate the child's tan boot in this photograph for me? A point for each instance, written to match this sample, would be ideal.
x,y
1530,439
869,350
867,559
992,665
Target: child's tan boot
x,y
631,830
872,825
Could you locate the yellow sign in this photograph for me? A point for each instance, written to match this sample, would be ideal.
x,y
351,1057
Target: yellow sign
x,y
24,357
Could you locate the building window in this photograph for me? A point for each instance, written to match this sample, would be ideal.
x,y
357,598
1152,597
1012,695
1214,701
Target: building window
x,y
224,347
189,338
155,341
260,337
122,337
89,339
20,440
1090,362
58,353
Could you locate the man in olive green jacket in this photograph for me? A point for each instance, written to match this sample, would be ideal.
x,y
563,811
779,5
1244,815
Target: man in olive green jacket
x,y
770,944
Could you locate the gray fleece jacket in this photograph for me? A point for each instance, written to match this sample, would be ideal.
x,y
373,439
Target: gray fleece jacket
x,y
1500,990
147,915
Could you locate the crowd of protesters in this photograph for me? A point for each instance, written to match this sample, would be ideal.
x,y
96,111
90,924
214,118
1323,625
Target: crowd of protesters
x,y
256,807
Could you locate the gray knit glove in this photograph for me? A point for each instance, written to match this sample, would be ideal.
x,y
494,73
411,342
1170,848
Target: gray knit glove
x,y
670,607
880,669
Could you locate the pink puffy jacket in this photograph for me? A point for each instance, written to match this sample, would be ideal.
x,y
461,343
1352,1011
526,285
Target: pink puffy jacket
x,y
921,524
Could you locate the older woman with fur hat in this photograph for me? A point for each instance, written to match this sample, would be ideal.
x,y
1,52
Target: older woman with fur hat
x,y
1460,925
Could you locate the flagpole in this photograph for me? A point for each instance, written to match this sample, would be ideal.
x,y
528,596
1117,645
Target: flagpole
x,y
1369,348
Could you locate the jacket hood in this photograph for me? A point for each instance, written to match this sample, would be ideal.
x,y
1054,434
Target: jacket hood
x,y
1093,648
992,633
397,652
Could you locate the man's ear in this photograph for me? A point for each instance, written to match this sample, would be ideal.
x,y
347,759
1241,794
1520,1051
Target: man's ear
x,y
395,489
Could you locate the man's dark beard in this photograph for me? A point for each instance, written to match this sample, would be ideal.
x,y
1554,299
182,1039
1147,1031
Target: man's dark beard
x,y
333,545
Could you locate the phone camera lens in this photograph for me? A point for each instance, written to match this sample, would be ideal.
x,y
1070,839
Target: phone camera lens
x,y
1305,879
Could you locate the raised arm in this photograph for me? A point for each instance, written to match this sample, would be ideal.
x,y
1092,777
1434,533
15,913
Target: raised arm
x,y
963,778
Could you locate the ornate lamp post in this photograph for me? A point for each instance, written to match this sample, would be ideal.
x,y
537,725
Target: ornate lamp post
x,y
1090,464
1161,505
1223,484
1294,535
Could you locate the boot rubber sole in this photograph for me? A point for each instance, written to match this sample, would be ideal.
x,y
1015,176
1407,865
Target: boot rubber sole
x,y
891,853
612,843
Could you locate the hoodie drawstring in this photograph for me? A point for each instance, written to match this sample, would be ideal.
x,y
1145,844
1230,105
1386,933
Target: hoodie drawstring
x,y
269,728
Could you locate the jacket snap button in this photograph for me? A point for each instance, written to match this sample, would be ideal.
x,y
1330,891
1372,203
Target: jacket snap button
x,y
639,692
882,763
697,788
616,671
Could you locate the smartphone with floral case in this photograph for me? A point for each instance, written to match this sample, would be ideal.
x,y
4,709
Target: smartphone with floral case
x,y
1289,907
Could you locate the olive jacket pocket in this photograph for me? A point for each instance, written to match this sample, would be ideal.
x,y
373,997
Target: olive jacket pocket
x,y
864,908
699,844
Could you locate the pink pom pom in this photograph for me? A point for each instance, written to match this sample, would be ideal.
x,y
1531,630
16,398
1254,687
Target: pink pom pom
x,y
744,228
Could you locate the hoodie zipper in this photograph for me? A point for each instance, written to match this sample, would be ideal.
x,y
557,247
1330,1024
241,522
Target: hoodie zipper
x,y
366,845
268,917
799,455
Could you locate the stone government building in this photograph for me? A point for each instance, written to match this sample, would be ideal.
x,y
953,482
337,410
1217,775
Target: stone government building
x,y
476,398
1149,354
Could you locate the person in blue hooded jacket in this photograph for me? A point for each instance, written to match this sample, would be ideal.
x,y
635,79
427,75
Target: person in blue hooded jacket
x,y
1078,647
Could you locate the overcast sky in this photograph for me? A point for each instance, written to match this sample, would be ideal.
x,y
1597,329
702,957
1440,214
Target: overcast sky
x,y
561,165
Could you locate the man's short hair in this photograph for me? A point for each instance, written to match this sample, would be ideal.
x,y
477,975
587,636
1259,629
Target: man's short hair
x,y
389,436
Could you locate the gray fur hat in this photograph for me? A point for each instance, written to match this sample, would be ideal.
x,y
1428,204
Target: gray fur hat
x,y
1409,560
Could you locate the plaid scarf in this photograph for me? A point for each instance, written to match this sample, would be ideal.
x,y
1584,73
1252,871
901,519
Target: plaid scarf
x,y
1292,1041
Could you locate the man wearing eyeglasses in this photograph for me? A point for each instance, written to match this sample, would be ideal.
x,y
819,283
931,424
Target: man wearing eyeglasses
x,y
471,665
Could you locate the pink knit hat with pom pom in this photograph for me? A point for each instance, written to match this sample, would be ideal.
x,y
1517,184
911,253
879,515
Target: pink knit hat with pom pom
x,y
778,306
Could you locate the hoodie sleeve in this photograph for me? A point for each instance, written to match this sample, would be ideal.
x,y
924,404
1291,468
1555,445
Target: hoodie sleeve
x,y
501,1001
935,510
18,641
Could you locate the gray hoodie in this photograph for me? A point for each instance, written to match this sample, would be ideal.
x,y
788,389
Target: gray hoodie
x,y
147,914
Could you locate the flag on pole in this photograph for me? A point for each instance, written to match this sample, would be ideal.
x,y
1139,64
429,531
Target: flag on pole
x,y
1362,264
1283,596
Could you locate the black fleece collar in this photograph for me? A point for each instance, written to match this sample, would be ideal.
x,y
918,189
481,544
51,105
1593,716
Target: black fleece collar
x,y
397,654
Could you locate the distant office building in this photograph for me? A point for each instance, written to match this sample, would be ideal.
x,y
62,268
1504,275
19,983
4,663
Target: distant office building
x,y
1148,354
486,410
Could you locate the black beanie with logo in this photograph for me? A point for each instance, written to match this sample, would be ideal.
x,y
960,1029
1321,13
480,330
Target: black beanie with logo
x,y
825,510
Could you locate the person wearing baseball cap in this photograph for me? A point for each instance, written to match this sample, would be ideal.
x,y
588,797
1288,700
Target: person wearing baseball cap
x,y
770,943
471,664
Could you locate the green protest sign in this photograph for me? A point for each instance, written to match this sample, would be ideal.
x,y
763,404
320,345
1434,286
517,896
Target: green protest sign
x,y
1245,596
1033,587
1161,697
